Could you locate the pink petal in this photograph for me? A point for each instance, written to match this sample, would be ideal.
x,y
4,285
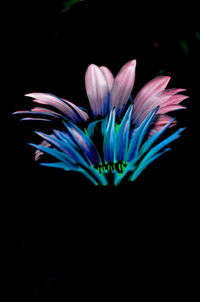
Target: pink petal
x,y
149,90
97,90
165,102
170,108
175,99
54,101
161,121
39,153
123,85
108,75
166,99
44,110
171,91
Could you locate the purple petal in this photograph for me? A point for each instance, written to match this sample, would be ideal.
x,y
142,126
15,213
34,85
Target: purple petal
x,y
81,113
97,90
122,86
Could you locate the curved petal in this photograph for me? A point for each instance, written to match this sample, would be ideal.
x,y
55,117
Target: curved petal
x,y
161,121
51,100
85,143
149,90
39,153
83,116
97,90
122,86
109,139
154,94
108,75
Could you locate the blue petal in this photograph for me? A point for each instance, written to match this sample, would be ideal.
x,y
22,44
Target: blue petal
x,y
162,145
147,145
155,153
144,164
91,128
104,125
61,156
85,143
109,139
59,165
66,147
139,135
62,165
122,137
66,137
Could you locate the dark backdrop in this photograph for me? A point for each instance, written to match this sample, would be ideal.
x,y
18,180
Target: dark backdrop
x,y
66,238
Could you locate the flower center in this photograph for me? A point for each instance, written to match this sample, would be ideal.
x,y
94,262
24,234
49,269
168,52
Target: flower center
x,y
119,166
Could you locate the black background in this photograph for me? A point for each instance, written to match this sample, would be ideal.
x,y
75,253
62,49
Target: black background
x,y
65,238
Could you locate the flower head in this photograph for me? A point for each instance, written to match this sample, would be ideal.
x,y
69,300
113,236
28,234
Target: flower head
x,y
123,136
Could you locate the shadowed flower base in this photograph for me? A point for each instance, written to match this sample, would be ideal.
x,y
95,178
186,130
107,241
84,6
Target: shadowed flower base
x,y
124,151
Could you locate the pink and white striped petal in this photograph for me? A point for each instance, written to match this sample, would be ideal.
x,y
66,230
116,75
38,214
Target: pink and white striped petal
x,y
108,75
59,104
149,90
122,86
170,108
97,90
154,94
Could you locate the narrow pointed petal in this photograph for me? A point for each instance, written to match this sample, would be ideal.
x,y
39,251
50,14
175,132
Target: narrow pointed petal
x,y
108,76
173,100
46,113
54,101
147,145
122,86
59,165
35,119
122,136
80,112
143,165
39,153
171,91
67,148
85,143
139,135
109,139
163,144
61,156
162,120
170,108
97,90
149,90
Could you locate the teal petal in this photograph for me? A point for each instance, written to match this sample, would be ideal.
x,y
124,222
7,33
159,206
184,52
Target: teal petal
x,y
139,135
122,136
109,139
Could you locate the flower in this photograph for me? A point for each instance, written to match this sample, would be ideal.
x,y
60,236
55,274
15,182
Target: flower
x,y
122,136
